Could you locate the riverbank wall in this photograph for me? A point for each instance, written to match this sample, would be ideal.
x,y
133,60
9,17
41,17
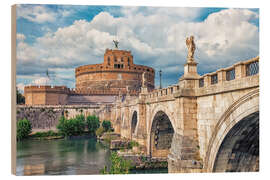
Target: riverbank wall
x,y
46,117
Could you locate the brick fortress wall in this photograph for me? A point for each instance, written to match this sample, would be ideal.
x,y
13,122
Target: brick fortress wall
x,y
116,73
46,95
97,83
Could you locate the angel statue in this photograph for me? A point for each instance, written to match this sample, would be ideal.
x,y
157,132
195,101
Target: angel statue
x,y
191,47
127,89
116,43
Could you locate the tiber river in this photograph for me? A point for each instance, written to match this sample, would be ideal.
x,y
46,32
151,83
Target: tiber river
x,y
64,157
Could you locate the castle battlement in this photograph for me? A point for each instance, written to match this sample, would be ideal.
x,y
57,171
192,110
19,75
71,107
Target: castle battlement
x,y
117,72
46,88
117,75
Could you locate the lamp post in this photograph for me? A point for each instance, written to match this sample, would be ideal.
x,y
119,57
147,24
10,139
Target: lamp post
x,y
160,86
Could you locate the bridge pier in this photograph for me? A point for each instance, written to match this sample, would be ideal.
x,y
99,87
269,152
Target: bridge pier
x,y
185,156
140,135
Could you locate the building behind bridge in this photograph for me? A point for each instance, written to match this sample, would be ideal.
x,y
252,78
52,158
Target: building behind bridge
x,y
97,83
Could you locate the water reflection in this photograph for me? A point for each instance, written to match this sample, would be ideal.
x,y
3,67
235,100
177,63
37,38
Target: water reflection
x,y
60,157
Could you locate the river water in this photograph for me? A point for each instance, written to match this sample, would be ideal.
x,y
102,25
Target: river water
x,y
65,157
61,157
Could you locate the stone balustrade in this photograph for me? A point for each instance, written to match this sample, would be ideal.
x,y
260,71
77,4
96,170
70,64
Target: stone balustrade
x,y
234,72
169,91
225,78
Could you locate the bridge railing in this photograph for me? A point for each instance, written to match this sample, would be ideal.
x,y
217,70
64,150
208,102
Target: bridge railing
x,y
236,71
163,92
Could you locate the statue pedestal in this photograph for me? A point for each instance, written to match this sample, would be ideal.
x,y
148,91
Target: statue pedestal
x,y
190,77
190,70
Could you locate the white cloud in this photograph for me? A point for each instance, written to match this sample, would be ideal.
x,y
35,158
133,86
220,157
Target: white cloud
x,y
156,37
41,81
20,87
36,13
41,13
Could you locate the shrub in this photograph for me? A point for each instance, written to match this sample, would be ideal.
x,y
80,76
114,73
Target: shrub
x,y
80,117
92,123
19,97
99,131
118,166
71,127
106,125
24,128
132,144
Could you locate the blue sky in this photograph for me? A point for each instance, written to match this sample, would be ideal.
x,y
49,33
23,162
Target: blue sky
x,y
59,38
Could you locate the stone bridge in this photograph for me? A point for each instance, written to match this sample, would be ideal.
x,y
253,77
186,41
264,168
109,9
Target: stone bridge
x,y
207,123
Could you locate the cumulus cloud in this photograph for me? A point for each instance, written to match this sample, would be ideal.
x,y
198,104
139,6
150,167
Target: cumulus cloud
x,y
35,13
41,13
20,87
42,81
156,37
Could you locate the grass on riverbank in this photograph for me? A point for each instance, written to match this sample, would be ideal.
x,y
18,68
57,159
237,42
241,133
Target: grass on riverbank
x,y
46,135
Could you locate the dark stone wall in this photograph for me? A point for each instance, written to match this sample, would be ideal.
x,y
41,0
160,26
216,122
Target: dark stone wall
x,y
46,117
161,135
162,131
40,118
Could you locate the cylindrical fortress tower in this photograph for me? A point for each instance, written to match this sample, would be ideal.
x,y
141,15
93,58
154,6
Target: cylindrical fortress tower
x,y
116,73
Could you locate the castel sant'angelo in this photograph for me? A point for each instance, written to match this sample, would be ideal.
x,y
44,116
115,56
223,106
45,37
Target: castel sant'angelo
x,y
97,83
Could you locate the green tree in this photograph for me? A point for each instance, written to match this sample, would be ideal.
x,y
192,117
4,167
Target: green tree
x,y
19,97
80,117
119,165
92,123
71,127
24,128
107,125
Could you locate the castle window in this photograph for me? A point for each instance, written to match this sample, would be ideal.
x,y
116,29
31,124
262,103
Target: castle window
x,y
122,66
122,59
109,61
115,59
128,61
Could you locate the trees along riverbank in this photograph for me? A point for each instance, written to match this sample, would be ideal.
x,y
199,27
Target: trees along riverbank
x,y
72,127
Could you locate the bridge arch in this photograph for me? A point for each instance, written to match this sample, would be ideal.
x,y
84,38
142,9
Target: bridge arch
x,y
134,121
235,133
161,135
167,111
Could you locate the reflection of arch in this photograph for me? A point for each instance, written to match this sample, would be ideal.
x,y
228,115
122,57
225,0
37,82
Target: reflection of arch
x,y
243,107
134,121
161,135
